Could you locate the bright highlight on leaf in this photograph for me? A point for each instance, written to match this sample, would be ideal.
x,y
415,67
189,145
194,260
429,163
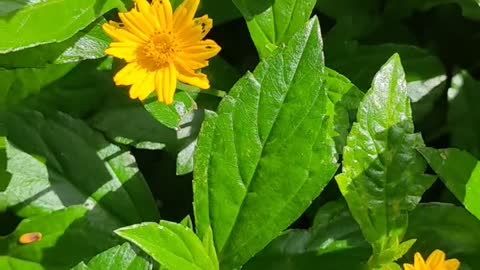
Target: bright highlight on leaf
x,y
436,261
160,47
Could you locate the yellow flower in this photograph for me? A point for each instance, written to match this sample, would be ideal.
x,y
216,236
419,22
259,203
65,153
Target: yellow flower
x,y
436,261
160,47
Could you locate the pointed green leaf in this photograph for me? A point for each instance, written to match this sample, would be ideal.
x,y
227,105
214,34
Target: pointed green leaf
x,y
272,23
267,154
383,175
33,25
460,171
173,245
122,257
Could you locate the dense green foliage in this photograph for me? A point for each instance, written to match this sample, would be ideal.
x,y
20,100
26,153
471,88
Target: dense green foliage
x,y
337,134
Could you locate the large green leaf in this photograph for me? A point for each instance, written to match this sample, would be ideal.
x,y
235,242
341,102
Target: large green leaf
x,y
69,164
67,237
49,21
89,43
460,171
464,113
448,228
333,242
122,257
173,245
272,23
383,175
245,187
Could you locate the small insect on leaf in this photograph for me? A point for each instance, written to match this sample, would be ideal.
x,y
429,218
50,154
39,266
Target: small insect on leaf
x,y
30,238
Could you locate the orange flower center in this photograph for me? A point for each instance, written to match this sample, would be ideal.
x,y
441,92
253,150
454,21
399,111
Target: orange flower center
x,y
157,52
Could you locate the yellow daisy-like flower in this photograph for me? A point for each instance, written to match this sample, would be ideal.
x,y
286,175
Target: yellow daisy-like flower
x,y
160,47
436,261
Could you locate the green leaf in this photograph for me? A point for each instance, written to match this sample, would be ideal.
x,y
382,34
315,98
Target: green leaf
x,y
343,101
383,175
173,245
89,43
448,228
69,164
33,25
464,113
18,84
187,136
67,237
4,174
170,116
404,8
460,171
272,23
122,257
244,187
333,242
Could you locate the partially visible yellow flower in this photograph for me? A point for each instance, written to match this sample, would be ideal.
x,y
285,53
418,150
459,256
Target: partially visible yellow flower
x,y
160,47
436,261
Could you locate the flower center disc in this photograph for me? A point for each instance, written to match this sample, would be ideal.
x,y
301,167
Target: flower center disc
x,y
157,52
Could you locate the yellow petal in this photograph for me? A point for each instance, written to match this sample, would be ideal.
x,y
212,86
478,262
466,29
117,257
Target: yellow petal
x,y
186,61
407,266
147,12
186,11
123,50
130,74
436,258
134,25
200,80
141,86
170,83
120,34
148,86
194,32
164,13
200,55
159,77
419,262
452,264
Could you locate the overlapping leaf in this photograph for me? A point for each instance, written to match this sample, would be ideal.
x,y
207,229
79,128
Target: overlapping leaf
x,y
383,175
272,23
244,187
464,113
173,245
122,257
49,21
460,172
